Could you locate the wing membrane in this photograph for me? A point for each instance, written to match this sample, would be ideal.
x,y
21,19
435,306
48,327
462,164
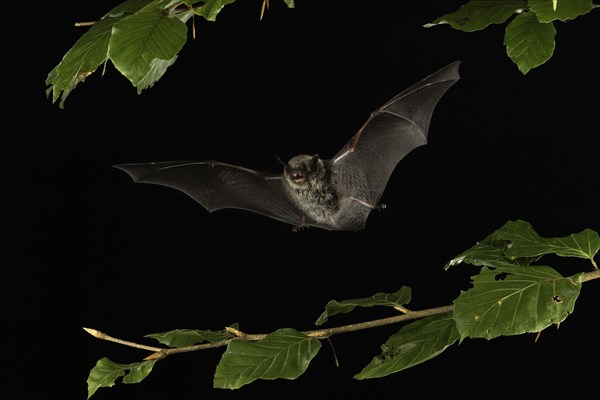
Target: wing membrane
x,y
217,185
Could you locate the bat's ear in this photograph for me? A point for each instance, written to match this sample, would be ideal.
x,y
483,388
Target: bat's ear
x,y
314,161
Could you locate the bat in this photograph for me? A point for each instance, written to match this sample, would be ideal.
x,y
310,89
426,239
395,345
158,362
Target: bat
x,y
333,194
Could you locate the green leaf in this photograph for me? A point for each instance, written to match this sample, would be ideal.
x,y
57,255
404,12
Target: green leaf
x,y
142,46
489,252
515,300
210,9
528,42
525,242
478,14
190,337
92,49
401,297
482,255
415,343
80,61
550,10
157,69
517,244
284,353
106,372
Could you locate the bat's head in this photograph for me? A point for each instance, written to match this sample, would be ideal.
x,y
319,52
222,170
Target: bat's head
x,y
303,169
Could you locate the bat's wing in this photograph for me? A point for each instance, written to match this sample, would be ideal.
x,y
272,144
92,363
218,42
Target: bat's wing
x,y
390,133
217,185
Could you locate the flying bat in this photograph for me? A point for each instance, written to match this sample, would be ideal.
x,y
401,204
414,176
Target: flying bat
x,y
337,193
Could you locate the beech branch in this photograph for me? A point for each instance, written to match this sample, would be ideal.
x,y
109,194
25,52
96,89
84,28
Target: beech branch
x,y
159,352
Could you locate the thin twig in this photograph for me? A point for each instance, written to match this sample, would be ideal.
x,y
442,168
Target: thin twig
x,y
588,276
159,353
265,5
104,336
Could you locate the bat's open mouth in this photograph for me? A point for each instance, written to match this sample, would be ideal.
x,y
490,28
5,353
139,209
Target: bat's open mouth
x,y
298,177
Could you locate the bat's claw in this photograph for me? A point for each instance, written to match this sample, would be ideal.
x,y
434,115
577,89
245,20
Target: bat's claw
x,y
298,228
381,206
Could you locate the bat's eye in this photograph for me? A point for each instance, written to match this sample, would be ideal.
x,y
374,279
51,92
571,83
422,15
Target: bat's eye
x,y
298,177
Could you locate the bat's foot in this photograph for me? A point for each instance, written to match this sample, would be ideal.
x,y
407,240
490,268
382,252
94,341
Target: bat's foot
x,y
298,228
381,207
302,225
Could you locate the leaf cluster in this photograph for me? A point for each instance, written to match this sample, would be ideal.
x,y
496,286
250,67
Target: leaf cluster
x,y
511,294
142,38
530,31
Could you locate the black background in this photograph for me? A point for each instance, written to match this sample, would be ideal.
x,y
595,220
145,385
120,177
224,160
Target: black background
x,y
99,251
